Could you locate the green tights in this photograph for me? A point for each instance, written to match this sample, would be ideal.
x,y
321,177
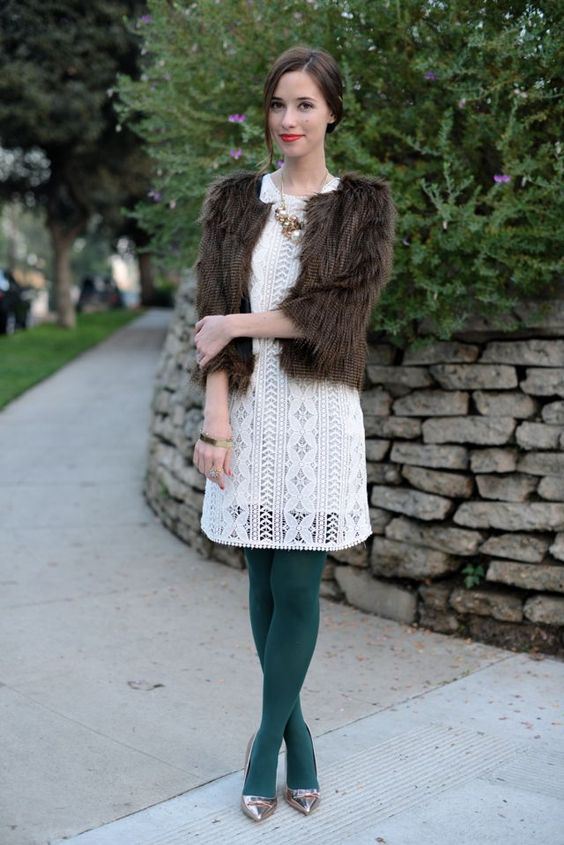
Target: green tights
x,y
284,613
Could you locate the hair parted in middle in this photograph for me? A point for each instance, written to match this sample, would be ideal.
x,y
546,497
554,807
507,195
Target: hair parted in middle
x,y
325,71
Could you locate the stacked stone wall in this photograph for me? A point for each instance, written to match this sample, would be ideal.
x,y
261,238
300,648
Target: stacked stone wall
x,y
465,469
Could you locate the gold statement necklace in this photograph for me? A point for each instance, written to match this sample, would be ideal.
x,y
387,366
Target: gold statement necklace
x,y
291,224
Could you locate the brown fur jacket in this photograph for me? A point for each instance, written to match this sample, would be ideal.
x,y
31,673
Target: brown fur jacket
x,y
346,258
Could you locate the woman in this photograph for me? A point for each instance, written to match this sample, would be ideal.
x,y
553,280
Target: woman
x,y
282,444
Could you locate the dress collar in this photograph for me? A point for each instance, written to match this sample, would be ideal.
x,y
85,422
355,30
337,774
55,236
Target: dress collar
x,y
270,193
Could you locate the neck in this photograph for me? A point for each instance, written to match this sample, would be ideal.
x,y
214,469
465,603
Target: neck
x,y
302,175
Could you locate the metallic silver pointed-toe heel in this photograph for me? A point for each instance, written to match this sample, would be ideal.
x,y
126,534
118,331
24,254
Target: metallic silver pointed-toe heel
x,y
304,800
257,807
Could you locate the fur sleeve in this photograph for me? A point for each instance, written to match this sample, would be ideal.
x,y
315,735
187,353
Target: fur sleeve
x,y
333,310
210,293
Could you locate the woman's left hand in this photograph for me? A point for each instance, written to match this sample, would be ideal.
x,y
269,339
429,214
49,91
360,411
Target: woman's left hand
x,y
212,335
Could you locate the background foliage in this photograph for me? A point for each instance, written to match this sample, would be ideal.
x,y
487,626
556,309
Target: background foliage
x,y
456,104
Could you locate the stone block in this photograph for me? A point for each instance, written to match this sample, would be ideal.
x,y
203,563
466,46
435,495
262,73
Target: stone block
x,y
441,352
493,460
534,352
354,555
457,541
551,487
170,486
427,403
545,609
435,596
405,428
383,473
507,488
489,431
382,354
161,401
190,515
557,548
474,376
440,621
376,449
405,560
516,636
542,463
379,518
163,428
447,457
528,576
522,547
505,403
513,516
553,413
452,484
544,316
543,382
330,590
411,502
536,435
373,595
403,376
375,402
498,603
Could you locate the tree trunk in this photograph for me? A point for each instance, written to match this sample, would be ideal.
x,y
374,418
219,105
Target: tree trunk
x,y
62,241
146,278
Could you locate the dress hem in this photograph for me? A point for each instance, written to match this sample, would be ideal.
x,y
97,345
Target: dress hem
x,y
266,544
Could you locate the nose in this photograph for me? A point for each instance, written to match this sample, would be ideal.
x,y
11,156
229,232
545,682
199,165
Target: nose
x,y
289,119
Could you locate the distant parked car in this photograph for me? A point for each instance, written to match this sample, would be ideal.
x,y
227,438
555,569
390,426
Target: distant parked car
x,y
15,304
99,293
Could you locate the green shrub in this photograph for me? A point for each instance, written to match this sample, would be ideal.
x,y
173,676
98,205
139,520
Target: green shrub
x,y
457,105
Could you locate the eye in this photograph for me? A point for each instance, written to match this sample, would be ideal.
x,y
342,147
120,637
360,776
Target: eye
x,y
275,104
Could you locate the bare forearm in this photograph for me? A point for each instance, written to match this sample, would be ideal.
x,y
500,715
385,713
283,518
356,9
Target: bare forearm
x,y
262,324
216,405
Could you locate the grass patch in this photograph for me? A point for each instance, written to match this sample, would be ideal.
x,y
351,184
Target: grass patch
x,y
29,356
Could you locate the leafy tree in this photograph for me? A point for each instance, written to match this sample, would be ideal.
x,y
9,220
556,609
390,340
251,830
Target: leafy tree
x,y
457,104
58,63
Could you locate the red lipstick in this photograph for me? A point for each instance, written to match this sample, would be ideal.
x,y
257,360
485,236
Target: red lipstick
x,y
291,137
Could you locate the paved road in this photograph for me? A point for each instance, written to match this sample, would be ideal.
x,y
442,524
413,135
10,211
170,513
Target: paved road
x,y
129,684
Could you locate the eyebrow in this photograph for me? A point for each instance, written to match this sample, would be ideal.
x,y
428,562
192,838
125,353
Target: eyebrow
x,y
298,98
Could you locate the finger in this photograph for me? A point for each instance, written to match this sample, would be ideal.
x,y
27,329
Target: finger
x,y
214,460
227,464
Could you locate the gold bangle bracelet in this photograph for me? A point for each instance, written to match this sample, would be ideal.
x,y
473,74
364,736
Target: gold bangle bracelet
x,y
216,441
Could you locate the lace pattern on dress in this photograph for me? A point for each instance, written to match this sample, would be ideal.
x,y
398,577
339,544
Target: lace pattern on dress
x,y
299,458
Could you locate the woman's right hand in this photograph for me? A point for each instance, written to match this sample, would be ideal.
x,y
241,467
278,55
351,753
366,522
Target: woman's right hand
x,y
207,456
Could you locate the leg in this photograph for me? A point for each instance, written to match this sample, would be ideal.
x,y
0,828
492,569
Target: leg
x,y
301,769
290,643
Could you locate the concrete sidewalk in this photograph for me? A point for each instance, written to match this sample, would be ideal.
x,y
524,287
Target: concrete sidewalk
x,y
130,685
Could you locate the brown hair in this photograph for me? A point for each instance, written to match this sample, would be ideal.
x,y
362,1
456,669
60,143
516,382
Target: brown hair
x,y
322,67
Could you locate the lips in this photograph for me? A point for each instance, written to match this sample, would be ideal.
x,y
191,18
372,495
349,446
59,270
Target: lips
x,y
291,137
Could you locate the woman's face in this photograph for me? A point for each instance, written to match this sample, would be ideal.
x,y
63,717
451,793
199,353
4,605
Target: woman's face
x,y
298,108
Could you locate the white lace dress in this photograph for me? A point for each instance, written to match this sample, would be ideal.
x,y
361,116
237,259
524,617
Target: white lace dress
x,y
299,453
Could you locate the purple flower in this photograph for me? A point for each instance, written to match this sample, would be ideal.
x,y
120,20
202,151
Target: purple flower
x,y
280,162
430,74
502,177
236,153
155,195
237,118
146,19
